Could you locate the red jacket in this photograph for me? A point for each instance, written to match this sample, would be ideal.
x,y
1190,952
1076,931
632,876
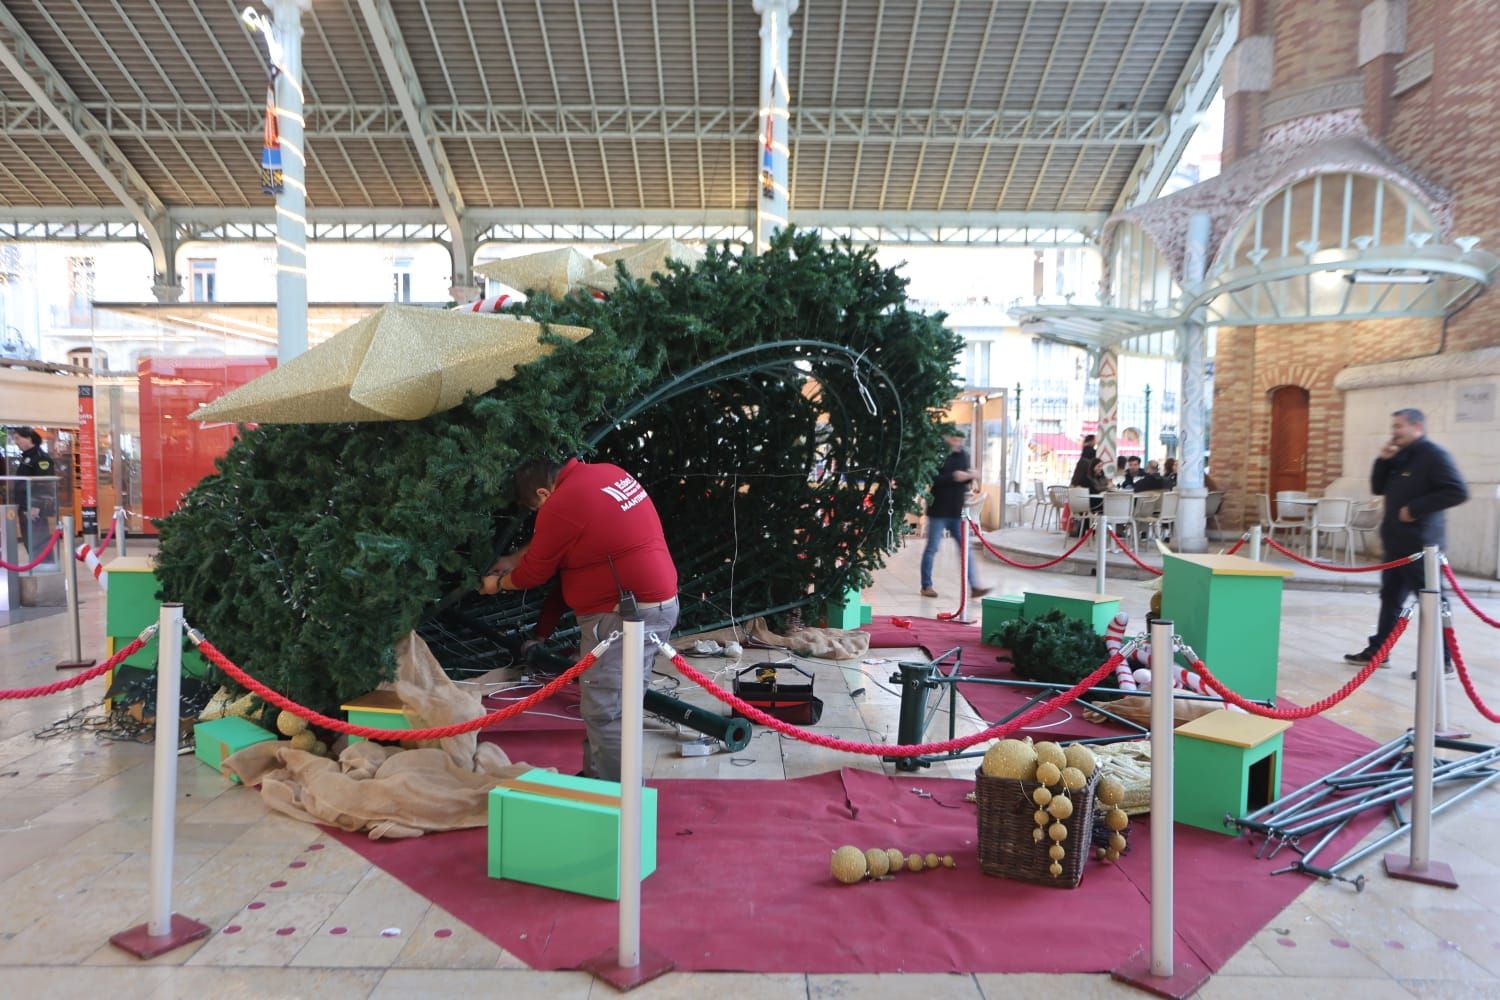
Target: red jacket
x,y
595,514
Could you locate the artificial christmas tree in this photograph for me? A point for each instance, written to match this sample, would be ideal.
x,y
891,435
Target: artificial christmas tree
x,y
781,409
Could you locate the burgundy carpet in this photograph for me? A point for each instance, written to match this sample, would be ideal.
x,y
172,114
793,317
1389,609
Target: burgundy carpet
x,y
742,881
993,702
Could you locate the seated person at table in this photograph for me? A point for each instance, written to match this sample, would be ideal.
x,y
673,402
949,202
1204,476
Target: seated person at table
x,y
1169,473
1089,474
1150,481
1132,472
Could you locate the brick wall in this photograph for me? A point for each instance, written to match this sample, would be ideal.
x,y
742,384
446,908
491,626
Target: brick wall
x,y
1250,362
1314,41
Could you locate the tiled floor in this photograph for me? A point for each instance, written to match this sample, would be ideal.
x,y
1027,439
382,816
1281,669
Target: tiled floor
x,y
75,837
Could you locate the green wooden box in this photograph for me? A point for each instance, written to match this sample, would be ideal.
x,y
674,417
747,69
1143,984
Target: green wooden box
x,y
996,611
1096,609
563,832
379,710
849,612
1229,610
131,605
1225,764
217,739
866,614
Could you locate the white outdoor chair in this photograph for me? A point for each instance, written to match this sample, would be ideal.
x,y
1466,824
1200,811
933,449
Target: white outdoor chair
x,y
1269,524
1057,500
1078,505
1119,512
1331,517
1212,504
1144,509
1363,519
1162,519
1041,504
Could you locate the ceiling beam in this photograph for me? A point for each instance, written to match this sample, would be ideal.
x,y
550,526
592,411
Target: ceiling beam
x,y
58,105
972,126
385,32
1191,97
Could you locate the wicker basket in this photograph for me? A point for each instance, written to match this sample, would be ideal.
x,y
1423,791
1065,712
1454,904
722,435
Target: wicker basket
x,y
1006,847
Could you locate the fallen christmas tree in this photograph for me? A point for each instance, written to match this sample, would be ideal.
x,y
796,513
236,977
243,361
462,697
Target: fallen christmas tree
x,y
780,408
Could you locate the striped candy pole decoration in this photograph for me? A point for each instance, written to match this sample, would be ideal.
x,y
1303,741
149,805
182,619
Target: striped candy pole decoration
x,y
1114,638
90,559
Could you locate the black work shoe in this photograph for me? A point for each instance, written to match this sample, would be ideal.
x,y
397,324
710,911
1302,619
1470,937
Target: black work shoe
x,y
1360,658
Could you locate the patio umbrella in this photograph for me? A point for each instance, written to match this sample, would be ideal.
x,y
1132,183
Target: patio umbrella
x,y
398,363
556,272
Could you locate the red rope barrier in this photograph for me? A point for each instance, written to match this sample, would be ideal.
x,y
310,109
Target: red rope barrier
x,y
996,732
1133,557
1087,534
963,574
1342,569
1237,545
130,649
1306,711
114,523
51,544
281,701
1451,638
1468,601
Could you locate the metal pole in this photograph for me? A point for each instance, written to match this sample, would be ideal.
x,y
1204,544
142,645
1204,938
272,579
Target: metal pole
x,y
1101,536
291,203
1255,542
633,679
1192,494
1432,561
1424,728
10,552
164,782
1162,655
66,553
1146,435
772,198
120,523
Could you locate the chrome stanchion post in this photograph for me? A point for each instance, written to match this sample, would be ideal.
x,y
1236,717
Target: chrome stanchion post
x,y
1418,866
1101,551
1159,971
1255,542
1432,579
120,531
625,967
164,930
68,560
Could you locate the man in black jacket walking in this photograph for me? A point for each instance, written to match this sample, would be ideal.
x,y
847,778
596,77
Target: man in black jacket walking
x,y
1419,481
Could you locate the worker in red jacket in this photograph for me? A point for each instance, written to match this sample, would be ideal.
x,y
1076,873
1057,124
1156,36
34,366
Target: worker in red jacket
x,y
598,531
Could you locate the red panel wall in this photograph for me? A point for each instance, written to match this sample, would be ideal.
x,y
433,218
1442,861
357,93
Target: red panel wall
x,y
177,452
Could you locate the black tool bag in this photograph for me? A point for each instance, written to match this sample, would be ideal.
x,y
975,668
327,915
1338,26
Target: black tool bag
x,y
783,690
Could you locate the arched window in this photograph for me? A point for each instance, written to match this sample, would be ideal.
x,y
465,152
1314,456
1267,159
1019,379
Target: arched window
x,y
1139,277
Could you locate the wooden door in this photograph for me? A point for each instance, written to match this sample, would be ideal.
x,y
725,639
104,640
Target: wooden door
x,y
1288,440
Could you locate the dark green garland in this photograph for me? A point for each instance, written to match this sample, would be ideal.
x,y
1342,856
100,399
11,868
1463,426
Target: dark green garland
x,y
315,546
1053,649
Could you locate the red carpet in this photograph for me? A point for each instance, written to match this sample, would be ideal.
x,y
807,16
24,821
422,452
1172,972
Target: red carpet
x,y
991,701
742,881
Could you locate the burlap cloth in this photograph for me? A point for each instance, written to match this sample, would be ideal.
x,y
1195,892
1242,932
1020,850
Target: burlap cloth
x,y
386,790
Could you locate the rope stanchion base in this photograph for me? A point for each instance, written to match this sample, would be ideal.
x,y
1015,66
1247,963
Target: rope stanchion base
x,y
76,664
1398,865
653,965
1187,976
139,941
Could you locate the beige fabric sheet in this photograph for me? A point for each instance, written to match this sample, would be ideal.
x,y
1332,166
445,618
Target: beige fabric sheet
x,y
384,790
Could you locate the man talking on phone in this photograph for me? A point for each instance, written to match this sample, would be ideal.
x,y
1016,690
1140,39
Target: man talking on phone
x,y
1419,481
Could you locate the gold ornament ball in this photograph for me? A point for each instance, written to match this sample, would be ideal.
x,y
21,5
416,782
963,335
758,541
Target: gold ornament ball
x,y
896,858
1038,834
304,740
1055,869
1073,779
1111,855
1041,796
288,724
1040,816
877,862
1081,757
1057,852
1061,807
1116,819
948,861
1051,753
848,864
1057,832
1117,842
932,861
1010,759
1101,852
1111,791
1048,773
320,748
914,863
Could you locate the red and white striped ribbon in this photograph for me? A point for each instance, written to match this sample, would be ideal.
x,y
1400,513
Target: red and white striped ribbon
x,y
90,559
